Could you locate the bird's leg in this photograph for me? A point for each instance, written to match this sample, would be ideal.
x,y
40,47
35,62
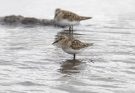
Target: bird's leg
x,y
74,57
70,28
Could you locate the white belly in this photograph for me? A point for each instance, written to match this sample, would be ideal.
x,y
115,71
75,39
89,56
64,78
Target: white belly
x,y
71,51
65,22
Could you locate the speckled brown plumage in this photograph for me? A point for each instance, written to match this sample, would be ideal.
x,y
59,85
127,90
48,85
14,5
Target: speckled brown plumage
x,y
76,44
64,14
66,41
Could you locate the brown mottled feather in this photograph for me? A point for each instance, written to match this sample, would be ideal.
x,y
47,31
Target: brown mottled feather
x,y
76,44
64,14
70,16
67,41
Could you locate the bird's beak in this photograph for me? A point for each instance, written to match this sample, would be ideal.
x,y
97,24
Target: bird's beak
x,y
56,41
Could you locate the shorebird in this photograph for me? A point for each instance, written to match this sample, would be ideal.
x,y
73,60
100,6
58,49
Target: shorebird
x,y
68,18
71,45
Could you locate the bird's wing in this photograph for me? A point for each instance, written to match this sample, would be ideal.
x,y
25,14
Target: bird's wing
x,y
76,44
70,16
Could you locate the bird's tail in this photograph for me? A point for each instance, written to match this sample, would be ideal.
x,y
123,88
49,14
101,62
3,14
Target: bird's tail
x,y
85,18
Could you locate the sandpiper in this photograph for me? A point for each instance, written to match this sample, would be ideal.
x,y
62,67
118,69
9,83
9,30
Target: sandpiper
x,y
71,45
68,18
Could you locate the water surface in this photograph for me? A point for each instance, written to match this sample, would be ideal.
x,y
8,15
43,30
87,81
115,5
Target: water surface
x,y
29,63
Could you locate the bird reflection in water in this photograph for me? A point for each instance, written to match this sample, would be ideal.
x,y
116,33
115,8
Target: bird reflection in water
x,y
69,44
70,66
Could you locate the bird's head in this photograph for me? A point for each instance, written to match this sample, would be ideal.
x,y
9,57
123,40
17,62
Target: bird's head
x,y
61,39
57,10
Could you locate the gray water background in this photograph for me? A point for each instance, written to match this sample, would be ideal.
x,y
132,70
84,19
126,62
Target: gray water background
x,y
29,63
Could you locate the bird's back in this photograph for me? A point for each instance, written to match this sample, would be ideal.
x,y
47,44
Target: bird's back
x,y
70,16
76,44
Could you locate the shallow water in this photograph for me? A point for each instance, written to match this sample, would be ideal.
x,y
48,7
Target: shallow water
x,y
29,63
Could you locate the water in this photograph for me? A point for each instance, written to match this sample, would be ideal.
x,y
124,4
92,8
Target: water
x,y
29,63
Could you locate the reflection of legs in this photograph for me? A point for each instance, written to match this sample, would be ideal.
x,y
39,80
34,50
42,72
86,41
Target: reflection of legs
x,y
71,29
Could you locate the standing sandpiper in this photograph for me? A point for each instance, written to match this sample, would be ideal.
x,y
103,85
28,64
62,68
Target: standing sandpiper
x,y
68,18
71,45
